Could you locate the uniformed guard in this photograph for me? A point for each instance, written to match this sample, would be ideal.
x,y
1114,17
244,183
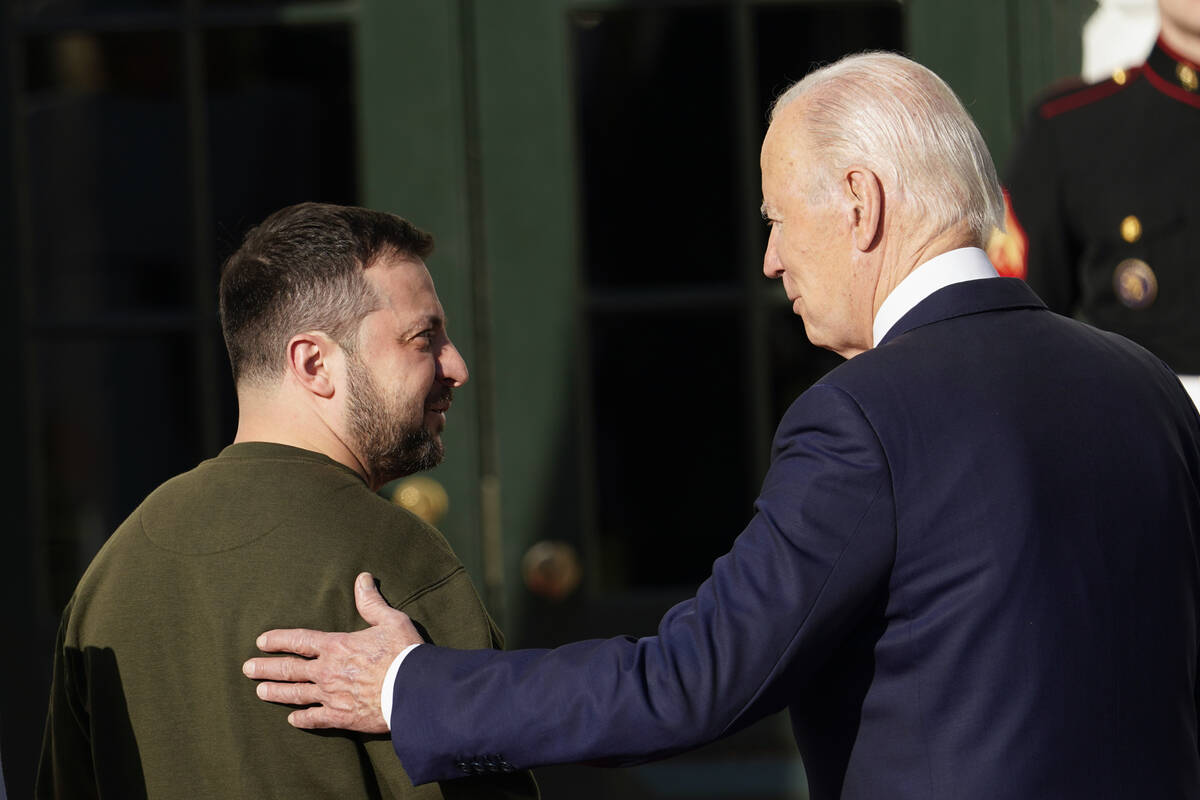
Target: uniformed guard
x,y
1104,208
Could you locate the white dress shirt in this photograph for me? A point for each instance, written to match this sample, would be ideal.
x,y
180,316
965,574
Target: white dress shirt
x,y
956,266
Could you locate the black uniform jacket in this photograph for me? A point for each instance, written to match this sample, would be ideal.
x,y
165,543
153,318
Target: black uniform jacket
x,y
1103,190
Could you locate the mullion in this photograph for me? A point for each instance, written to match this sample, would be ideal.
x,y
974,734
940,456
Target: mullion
x,y
203,250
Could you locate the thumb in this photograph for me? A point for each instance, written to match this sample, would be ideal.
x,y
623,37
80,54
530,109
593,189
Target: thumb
x,y
371,605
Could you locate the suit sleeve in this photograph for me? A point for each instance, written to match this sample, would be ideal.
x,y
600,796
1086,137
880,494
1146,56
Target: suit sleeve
x,y
1035,193
452,614
813,558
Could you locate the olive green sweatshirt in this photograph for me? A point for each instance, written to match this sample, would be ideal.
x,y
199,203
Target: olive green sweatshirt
x,y
148,697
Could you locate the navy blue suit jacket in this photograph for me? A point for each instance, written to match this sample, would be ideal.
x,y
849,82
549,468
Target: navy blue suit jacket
x,y
972,573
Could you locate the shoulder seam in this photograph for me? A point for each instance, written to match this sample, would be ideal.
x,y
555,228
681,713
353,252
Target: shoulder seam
x,y
1087,95
862,412
430,587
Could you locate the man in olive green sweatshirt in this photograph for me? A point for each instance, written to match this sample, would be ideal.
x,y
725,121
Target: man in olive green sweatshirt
x,y
344,374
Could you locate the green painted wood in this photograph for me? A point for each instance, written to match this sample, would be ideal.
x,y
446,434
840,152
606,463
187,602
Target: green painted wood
x,y
1048,43
413,163
530,234
1047,48
967,44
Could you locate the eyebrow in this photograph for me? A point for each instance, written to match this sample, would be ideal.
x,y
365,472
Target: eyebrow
x,y
427,321
763,210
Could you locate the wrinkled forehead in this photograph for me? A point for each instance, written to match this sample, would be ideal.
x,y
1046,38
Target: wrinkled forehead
x,y
784,158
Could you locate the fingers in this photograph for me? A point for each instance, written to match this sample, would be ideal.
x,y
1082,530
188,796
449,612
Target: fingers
x,y
295,694
279,669
317,717
371,605
294,640
342,676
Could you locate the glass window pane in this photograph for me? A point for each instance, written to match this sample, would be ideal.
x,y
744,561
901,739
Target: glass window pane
x,y
657,123
237,4
791,40
281,122
105,448
46,9
109,188
672,461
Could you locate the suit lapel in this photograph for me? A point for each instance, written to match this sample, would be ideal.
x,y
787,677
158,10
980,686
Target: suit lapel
x,y
968,297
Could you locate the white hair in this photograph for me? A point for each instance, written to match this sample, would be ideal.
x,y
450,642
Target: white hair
x,y
897,118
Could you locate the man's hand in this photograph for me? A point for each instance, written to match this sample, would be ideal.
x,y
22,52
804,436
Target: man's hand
x,y
342,675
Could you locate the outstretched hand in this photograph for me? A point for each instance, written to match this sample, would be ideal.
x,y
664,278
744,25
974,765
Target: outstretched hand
x,y
341,675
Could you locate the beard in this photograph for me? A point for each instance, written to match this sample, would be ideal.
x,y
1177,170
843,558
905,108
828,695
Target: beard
x,y
393,441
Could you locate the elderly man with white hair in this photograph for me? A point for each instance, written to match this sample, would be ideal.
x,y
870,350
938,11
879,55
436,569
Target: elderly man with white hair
x,y
972,569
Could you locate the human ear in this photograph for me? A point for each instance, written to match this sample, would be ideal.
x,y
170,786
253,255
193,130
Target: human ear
x,y
865,193
310,356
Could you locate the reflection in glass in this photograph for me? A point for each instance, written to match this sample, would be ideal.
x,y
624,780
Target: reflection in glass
x,y
657,124
281,122
48,9
672,463
791,40
117,418
107,155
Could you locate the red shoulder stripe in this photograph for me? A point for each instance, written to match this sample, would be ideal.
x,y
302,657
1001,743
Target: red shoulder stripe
x,y
1089,95
1171,90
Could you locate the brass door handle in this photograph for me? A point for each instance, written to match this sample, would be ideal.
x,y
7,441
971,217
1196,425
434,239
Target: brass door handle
x,y
551,569
423,496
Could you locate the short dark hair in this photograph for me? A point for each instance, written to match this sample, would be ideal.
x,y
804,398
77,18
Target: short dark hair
x,y
302,269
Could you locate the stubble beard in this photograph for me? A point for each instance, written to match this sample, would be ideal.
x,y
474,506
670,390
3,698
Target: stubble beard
x,y
392,441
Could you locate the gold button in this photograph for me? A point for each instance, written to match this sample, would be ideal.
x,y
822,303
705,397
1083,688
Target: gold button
x,y
1131,229
1119,77
1187,77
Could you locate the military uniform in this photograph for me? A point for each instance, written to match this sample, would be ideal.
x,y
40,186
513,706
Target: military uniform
x,y
1104,216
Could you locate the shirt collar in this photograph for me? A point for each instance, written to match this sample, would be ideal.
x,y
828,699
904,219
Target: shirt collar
x,y
956,266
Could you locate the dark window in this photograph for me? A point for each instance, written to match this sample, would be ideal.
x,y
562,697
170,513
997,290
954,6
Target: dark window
x,y
280,122
688,358
107,153
657,134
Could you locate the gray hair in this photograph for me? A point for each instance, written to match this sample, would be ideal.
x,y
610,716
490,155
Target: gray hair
x,y
898,118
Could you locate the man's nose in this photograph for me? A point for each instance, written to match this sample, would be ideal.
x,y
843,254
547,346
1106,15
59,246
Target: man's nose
x,y
771,266
451,366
